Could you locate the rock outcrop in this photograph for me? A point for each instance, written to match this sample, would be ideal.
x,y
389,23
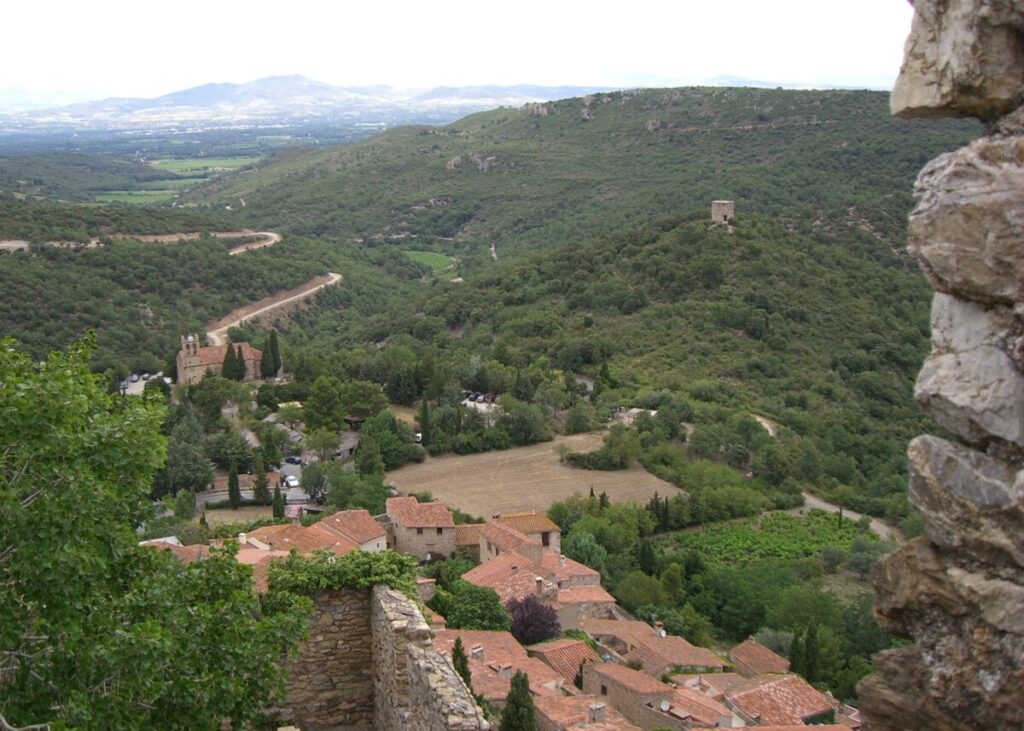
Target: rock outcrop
x,y
958,591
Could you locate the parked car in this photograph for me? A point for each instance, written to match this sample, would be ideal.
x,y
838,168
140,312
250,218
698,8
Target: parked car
x,y
135,378
419,437
291,481
293,459
145,376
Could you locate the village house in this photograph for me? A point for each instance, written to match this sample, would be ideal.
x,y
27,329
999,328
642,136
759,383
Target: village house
x,y
578,711
359,527
781,700
751,658
658,652
535,526
566,656
194,361
650,703
424,530
494,657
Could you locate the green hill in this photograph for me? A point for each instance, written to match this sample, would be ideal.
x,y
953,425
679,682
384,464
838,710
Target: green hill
x,y
529,178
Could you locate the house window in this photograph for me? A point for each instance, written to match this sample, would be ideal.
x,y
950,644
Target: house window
x,y
545,539
604,690
438,531
419,531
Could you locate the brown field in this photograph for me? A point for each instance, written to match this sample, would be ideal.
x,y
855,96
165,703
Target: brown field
x,y
527,478
403,413
246,513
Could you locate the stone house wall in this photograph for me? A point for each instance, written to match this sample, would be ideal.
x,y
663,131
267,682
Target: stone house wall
x,y
630,704
409,541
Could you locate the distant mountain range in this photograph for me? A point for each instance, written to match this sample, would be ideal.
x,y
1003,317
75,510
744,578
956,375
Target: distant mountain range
x,y
282,99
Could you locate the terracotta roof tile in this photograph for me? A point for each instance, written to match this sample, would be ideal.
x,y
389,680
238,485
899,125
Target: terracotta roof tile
x,y
652,650
511,575
213,355
779,699
695,706
564,568
468,534
501,656
758,658
303,540
185,554
584,595
564,656
632,680
713,685
505,538
528,523
356,525
409,513
574,712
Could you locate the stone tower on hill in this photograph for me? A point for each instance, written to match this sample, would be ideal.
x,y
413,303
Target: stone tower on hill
x,y
723,211
194,361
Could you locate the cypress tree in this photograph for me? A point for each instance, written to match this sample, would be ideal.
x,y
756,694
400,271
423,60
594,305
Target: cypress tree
x,y
234,493
261,489
266,362
202,520
424,418
645,557
227,368
278,509
796,654
812,654
239,365
518,713
275,352
461,663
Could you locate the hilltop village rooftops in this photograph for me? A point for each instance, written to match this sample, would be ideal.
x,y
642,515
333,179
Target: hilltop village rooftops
x,y
528,523
582,711
564,656
409,513
779,699
356,525
656,651
468,535
503,537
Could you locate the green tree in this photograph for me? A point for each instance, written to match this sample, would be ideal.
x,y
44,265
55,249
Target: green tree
x,y
645,557
323,442
518,713
290,415
638,589
261,486
581,546
234,493
673,584
476,607
324,409
362,399
579,419
278,504
267,361
184,505
105,633
188,468
424,420
240,369
461,663
275,351
368,457
229,366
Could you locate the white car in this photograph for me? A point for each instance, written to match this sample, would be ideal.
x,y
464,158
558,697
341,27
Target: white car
x,y
291,481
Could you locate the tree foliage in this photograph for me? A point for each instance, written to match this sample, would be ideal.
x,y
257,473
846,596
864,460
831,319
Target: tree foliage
x,y
532,620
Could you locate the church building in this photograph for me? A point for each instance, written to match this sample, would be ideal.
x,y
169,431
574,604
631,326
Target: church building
x,y
194,361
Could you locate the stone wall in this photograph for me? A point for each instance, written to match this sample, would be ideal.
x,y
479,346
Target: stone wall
x,y
958,591
368,664
427,540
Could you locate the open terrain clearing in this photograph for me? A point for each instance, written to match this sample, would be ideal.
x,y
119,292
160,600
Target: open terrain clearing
x,y
526,478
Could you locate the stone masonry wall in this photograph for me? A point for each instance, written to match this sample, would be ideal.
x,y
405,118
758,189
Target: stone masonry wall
x,y
331,680
415,687
958,591
368,664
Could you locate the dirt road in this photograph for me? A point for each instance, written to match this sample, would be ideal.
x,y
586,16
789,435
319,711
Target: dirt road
x,y
217,332
526,478
263,239
883,530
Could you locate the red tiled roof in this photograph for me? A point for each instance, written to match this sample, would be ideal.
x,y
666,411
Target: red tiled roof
x,y
213,355
502,656
528,523
779,699
624,629
185,554
632,680
758,658
564,656
409,513
565,568
651,649
713,685
356,525
468,535
692,705
584,595
303,540
574,711
505,538
511,575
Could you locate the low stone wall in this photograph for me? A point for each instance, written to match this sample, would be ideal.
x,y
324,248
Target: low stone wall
x,y
368,663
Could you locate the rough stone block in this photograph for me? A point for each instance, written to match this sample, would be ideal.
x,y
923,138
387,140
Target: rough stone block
x,y
969,501
962,58
968,224
969,383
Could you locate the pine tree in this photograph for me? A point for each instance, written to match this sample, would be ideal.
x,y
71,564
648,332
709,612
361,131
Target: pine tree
x,y
261,488
604,502
202,520
518,713
812,654
278,509
275,352
239,365
645,557
227,367
424,419
461,663
234,493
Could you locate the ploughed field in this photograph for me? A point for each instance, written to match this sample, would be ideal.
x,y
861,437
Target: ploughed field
x,y
525,478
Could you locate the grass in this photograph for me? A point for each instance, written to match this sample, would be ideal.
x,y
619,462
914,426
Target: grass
x,y
437,262
136,196
204,165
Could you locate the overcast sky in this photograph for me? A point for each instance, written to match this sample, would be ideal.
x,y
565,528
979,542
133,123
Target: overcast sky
x,y
146,48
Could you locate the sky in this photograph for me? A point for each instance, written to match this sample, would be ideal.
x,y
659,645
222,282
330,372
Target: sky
x,y
144,48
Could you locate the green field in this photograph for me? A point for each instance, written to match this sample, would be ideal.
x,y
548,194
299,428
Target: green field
x,y
136,196
437,262
203,166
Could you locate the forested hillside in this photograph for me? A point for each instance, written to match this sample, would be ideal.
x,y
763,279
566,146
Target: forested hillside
x,y
534,177
72,176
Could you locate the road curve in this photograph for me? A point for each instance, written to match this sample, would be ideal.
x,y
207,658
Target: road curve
x,y
218,335
263,239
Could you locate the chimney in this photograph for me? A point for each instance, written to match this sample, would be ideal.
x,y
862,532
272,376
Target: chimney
x,y
597,712
561,559
659,624
505,670
514,568
540,585
477,652
241,539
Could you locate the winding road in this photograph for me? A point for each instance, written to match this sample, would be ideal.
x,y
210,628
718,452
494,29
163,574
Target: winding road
x,y
262,239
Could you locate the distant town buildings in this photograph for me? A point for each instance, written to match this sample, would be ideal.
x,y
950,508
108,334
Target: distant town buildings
x,y
194,360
